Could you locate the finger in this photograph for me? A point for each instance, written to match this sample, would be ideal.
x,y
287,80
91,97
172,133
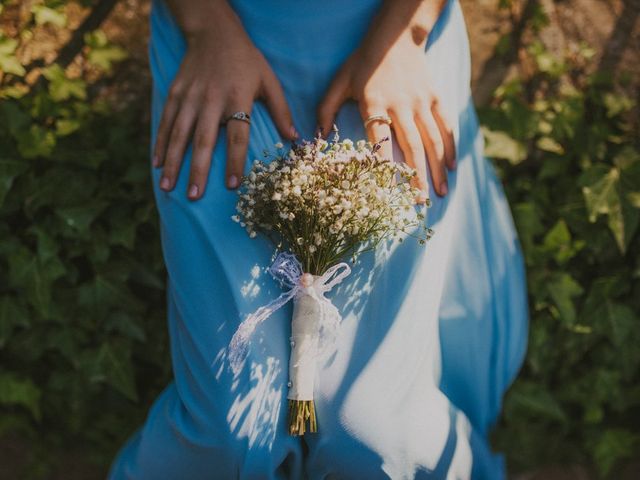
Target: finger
x,y
412,148
377,130
446,132
180,133
204,140
328,108
164,129
237,145
434,146
277,103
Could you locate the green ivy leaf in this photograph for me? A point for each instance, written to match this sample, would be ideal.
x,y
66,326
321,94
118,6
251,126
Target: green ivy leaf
x,y
9,171
47,244
111,363
536,401
12,315
27,272
36,141
66,126
562,288
106,291
613,446
528,222
558,241
61,87
125,324
617,104
44,14
615,320
600,194
501,145
20,391
80,217
548,144
8,61
14,117
102,54
634,199
627,158
604,195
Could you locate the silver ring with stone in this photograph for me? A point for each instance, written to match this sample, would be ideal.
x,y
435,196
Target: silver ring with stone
x,y
244,116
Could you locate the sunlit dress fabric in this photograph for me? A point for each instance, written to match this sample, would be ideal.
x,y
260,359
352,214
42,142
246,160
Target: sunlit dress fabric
x,y
431,337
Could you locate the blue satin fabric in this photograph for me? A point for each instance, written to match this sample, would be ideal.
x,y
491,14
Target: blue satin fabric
x,y
431,335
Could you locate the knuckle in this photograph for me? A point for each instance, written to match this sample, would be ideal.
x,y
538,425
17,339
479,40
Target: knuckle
x,y
422,104
268,83
210,95
235,93
237,137
192,95
198,171
415,148
175,91
171,164
432,129
158,147
324,110
201,141
178,132
373,100
439,149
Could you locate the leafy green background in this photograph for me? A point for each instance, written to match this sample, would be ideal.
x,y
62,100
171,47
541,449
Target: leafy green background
x,y
83,347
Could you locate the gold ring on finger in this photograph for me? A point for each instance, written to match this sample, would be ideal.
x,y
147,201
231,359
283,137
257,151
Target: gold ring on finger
x,y
373,118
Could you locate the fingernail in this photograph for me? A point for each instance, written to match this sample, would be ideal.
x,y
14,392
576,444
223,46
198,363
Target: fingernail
x,y
156,161
443,188
293,132
232,181
193,190
164,183
454,163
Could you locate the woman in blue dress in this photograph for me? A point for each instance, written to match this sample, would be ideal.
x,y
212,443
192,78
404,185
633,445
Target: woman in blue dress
x,y
431,336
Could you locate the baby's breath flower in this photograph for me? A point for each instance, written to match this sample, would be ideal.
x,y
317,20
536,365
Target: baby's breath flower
x,y
339,194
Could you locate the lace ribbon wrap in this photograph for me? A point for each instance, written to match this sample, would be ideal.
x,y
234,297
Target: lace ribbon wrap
x,y
314,325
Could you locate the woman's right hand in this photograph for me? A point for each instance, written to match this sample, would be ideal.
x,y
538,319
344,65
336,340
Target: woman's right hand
x,y
222,72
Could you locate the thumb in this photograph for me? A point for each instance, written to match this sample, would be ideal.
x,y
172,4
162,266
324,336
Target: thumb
x,y
335,96
277,104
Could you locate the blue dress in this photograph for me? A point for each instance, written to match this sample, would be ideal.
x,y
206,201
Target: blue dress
x,y
432,335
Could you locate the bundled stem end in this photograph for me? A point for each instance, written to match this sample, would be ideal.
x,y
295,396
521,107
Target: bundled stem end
x,y
299,412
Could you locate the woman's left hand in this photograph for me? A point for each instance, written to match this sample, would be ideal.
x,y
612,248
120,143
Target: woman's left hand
x,y
388,74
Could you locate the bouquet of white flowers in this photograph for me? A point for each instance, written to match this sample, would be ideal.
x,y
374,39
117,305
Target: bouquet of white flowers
x,y
320,201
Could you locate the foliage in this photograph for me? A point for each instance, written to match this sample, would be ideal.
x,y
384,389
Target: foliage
x,y
566,147
83,348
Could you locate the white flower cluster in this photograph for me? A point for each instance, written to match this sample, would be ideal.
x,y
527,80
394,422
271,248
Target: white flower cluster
x,y
325,198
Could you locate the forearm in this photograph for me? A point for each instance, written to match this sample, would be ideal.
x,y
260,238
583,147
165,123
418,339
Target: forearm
x,y
203,16
399,20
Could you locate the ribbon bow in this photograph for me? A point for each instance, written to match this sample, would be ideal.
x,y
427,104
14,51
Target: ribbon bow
x,y
288,269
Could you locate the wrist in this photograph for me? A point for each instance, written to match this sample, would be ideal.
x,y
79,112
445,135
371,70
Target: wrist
x,y
204,18
410,20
